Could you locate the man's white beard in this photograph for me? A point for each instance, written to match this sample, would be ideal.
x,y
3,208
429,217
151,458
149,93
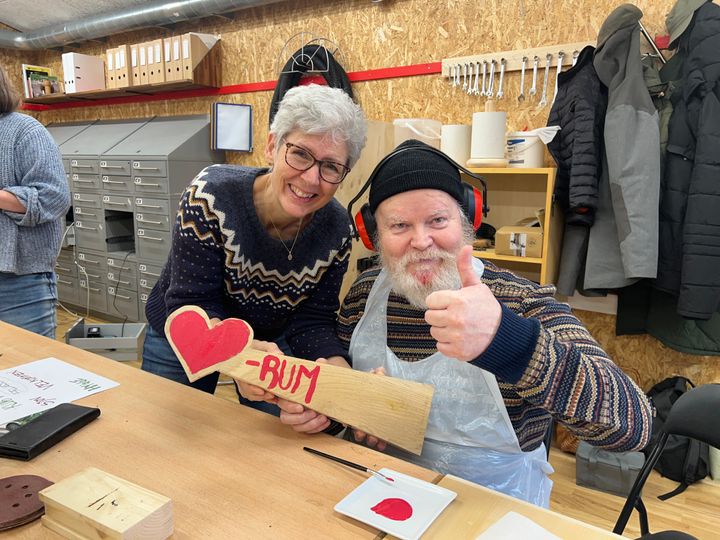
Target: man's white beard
x,y
404,283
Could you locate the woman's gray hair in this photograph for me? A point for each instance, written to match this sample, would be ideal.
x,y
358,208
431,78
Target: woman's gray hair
x,y
321,110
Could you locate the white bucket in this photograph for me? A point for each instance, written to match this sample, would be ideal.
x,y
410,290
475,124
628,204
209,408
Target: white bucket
x,y
526,151
422,129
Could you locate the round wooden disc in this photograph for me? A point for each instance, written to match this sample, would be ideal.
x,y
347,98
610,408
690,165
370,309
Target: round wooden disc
x,y
19,501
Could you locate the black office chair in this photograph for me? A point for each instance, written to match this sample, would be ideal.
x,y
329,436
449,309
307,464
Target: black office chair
x,y
694,415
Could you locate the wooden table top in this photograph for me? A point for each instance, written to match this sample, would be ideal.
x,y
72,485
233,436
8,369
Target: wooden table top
x,y
231,471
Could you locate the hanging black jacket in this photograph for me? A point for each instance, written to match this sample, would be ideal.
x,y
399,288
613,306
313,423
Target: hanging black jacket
x,y
317,58
579,110
689,251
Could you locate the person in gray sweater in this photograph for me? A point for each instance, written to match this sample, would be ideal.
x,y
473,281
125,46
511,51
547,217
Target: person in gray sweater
x,y
34,198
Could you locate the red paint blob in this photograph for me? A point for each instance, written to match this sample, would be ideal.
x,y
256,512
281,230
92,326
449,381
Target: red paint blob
x,y
395,509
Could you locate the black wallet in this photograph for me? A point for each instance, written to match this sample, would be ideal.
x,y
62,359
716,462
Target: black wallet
x,y
45,431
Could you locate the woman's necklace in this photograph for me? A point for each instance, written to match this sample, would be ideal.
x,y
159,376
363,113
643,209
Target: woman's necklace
x,y
290,250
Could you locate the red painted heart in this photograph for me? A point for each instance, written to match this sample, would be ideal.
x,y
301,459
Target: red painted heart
x,y
202,347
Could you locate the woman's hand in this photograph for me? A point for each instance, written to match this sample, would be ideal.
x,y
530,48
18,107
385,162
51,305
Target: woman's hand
x,y
302,419
252,392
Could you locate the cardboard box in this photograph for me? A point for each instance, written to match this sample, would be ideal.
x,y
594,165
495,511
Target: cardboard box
x,y
519,241
82,72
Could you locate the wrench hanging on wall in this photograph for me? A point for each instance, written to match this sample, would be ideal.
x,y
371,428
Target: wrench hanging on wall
x,y
533,88
521,96
543,97
491,83
561,55
500,82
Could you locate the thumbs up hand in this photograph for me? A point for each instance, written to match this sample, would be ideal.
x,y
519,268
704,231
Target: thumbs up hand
x,y
464,322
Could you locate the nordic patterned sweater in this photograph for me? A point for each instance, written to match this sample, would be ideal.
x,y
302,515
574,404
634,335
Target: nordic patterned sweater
x,y
32,170
545,361
224,261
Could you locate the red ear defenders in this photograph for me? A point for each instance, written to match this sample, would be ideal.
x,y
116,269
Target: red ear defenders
x,y
474,203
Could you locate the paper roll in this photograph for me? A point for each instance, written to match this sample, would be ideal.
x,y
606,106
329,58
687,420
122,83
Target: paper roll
x,y
488,135
455,142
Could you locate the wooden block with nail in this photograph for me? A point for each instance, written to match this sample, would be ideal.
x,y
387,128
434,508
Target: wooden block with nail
x,y
391,409
93,504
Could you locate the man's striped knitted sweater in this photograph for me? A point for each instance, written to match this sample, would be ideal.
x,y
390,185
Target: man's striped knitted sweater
x,y
547,364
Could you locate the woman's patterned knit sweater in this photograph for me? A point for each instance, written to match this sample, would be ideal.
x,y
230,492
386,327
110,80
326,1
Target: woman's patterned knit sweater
x,y
224,261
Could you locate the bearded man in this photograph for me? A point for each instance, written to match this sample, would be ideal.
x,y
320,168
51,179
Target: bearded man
x,y
505,357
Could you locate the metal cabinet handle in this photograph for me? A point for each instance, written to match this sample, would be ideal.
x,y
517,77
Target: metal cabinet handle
x,y
83,181
150,221
79,199
89,260
115,203
64,282
77,166
151,273
121,296
62,268
87,214
152,238
84,227
146,184
107,181
123,282
148,205
111,166
146,168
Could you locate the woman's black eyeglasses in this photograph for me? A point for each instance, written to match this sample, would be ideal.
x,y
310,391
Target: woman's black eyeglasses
x,y
302,160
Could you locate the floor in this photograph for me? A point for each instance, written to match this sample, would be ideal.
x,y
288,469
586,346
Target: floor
x,y
696,511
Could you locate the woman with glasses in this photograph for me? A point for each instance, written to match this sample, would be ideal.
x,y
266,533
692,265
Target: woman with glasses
x,y
267,245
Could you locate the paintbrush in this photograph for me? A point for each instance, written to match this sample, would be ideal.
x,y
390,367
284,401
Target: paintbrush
x,y
349,463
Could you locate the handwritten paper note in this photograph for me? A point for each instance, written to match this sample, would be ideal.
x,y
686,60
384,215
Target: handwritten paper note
x,y
36,386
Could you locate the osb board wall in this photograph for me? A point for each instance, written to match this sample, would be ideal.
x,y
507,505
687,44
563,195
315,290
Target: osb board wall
x,y
370,36
644,358
397,33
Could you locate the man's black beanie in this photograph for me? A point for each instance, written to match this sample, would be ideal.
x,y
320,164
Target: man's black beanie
x,y
415,168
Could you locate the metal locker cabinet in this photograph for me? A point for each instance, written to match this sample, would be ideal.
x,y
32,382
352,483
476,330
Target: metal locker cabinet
x,y
165,155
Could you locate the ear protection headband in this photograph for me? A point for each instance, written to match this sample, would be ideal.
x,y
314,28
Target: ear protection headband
x,y
474,203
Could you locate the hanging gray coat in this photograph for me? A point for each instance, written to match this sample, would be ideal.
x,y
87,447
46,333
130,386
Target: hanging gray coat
x,y
689,263
622,247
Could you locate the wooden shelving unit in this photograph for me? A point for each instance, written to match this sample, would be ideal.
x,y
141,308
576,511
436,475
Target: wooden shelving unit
x,y
514,194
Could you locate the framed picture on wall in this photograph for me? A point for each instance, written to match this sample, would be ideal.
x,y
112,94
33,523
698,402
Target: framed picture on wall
x,y
232,127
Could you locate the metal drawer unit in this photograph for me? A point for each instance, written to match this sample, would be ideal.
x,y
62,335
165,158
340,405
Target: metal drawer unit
x,y
152,245
165,155
148,276
122,303
122,271
65,263
93,267
68,290
66,274
98,294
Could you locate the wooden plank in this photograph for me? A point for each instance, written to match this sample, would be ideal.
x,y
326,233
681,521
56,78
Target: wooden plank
x,y
95,504
391,409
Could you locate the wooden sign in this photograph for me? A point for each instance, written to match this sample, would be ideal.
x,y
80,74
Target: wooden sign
x,y
391,409
95,504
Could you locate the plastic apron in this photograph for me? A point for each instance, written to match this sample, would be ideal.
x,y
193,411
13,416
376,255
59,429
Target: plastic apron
x,y
469,431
